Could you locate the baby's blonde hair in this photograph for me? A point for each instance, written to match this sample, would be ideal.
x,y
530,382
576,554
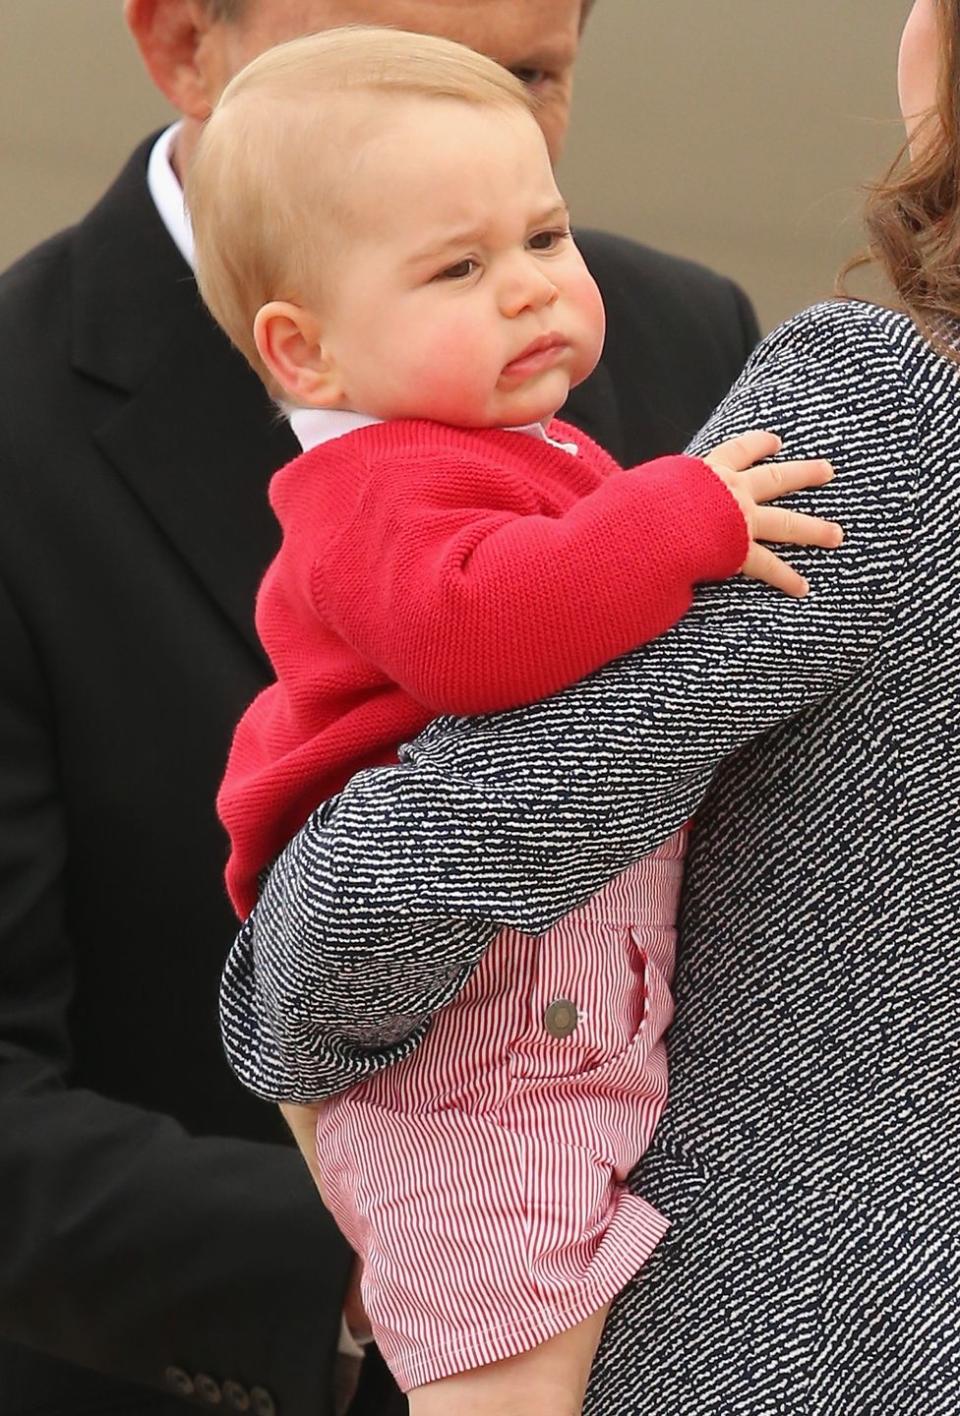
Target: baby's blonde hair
x,y
268,189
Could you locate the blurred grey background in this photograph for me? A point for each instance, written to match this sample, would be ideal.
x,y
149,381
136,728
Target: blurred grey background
x,y
736,132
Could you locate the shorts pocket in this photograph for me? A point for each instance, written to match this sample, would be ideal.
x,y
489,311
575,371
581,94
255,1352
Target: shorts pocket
x,y
589,1003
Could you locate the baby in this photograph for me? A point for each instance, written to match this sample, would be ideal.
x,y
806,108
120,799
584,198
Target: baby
x,y
379,231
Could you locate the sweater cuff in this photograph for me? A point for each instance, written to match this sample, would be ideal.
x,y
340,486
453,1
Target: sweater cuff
x,y
717,538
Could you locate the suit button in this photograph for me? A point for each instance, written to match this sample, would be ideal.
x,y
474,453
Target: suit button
x,y
179,1381
208,1388
560,1018
237,1396
263,1403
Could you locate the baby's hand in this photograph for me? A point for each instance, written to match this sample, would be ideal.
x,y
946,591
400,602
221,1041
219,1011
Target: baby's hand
x,y
734,463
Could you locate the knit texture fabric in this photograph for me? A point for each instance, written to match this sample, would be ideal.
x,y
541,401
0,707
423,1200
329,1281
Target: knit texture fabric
x,y
427,570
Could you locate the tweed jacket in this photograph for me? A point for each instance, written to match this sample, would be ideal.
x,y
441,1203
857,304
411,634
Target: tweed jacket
x,y
810,1156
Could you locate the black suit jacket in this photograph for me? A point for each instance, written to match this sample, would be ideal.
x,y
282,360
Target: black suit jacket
x,y
153,1227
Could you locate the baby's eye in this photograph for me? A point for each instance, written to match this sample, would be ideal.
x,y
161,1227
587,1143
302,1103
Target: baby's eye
x,y
460,271
547,240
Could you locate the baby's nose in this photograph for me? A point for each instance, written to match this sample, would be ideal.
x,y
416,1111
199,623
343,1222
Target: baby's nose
x,y
526,287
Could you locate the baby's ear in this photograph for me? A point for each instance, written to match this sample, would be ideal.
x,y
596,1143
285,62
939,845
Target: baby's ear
x,y
288,340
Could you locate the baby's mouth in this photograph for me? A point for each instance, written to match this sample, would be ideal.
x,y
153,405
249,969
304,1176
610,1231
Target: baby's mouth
x,y
540,353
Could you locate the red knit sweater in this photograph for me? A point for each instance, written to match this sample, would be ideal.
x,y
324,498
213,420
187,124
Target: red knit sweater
x,y
426,570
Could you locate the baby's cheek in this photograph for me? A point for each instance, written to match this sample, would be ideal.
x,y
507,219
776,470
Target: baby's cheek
x,y
451,377
589,302
589,322
451,349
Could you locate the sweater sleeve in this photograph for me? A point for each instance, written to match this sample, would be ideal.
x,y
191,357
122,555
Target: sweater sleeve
x,y
458,588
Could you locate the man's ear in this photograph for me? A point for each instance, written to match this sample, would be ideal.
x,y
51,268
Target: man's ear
x,y
288,340
180,45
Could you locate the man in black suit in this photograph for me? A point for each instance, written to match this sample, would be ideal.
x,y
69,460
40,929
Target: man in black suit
x,y
158,1240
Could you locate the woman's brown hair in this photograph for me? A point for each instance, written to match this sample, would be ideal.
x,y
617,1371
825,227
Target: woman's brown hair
x,y
912,215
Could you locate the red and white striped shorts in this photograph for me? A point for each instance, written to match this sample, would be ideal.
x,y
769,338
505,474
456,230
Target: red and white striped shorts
x,y
481,1179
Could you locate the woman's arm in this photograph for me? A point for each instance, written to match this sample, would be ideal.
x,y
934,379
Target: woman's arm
x,y
387,898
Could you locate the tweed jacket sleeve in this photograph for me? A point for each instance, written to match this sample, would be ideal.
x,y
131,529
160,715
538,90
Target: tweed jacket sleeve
x,y
379,909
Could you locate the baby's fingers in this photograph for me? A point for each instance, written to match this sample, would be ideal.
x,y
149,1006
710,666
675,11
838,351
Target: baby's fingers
x,y
762,564
779,479
737,454
794,528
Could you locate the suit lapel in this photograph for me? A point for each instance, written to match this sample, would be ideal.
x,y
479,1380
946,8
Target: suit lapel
x,y
194,436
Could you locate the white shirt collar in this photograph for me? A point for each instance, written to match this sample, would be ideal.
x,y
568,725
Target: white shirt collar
x,y
167,193
311,426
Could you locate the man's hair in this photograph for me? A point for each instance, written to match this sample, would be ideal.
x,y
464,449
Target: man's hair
x,y
229,10
233,10
269,187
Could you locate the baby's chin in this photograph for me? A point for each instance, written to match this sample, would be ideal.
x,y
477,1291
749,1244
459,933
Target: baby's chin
x,y
521,418
539,406
498,409
485,420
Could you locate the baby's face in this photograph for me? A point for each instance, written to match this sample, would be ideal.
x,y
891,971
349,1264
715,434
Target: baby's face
x,y
464,299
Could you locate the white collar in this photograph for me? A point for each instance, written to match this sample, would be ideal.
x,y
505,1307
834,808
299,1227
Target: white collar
x,y
311,426
167,193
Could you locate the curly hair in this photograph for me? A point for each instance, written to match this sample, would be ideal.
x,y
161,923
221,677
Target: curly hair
x,y
912,215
